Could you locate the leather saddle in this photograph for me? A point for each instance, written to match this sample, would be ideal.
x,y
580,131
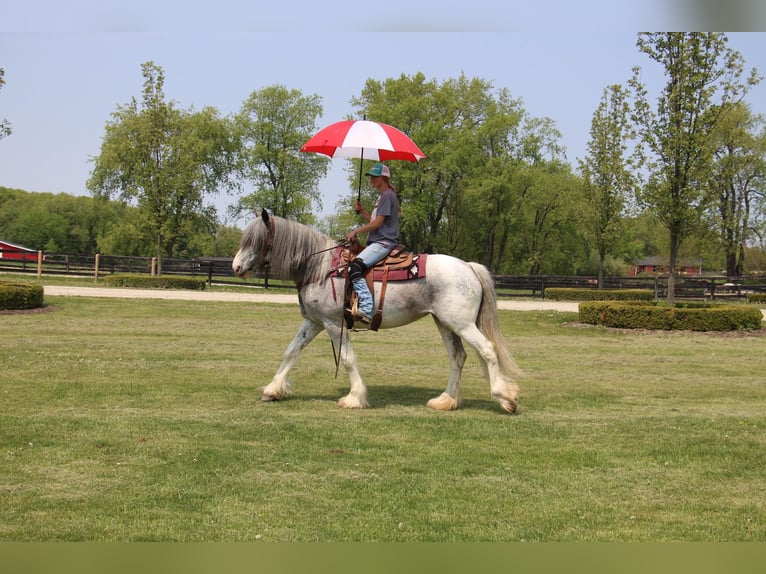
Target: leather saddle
x,y
398,260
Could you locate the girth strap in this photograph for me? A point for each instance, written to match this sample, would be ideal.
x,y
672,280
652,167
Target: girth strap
x,y
377,316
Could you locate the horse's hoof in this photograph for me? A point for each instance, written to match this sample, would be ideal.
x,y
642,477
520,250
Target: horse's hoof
x,y
443,402
267,397
509,406
349,402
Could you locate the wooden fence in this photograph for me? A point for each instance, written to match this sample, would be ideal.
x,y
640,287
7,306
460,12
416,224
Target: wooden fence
x,y
217,270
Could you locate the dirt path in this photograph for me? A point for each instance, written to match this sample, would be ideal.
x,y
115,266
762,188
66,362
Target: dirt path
x,y
263,297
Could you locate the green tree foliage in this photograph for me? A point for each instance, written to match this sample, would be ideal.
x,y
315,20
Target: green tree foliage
x,y
443,120
165,160
491,170
738,182
271,127
62,223
65,223
606,172
675,137
5,126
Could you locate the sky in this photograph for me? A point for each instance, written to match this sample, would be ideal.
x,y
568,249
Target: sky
x,y
68,65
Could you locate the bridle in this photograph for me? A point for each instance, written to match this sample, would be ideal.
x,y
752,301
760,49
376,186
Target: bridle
x,y
266,249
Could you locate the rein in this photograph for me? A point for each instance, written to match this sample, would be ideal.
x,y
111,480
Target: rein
x,y
340,243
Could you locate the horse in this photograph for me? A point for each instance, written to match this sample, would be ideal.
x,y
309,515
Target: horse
x,y
459,295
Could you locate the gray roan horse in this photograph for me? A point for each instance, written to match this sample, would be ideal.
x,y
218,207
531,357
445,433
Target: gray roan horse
x,y
460,297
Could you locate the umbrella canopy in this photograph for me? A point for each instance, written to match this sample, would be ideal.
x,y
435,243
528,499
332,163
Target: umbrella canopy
x,y
364,139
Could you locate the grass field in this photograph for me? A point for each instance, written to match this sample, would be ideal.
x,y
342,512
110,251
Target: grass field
x,y
130,420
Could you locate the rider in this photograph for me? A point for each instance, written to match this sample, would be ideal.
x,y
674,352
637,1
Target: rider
x,y
382,235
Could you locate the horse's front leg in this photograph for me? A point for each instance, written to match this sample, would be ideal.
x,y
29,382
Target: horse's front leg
x,y
452,397
357,396
279,386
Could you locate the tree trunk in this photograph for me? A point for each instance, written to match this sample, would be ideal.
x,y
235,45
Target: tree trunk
x,y
601,258
731,265
159,254
672,269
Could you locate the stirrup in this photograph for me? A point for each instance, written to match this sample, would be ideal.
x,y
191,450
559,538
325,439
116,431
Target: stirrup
x,y
352,318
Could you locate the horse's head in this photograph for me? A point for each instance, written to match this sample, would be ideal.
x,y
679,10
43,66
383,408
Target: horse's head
x,y
255,245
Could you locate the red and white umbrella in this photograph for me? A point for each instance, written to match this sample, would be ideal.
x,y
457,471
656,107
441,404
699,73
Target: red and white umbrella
x,y
364,139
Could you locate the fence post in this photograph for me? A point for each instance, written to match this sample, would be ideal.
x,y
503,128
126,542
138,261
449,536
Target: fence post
x,y
39,264
154,266
95,274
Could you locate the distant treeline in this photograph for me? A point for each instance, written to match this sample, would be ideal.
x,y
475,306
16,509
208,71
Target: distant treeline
x,y
66,223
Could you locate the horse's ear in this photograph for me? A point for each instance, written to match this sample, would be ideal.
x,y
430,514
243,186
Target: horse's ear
x,y
265,216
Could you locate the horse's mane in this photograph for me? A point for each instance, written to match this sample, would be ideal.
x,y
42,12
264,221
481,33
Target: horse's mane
x,y
297,250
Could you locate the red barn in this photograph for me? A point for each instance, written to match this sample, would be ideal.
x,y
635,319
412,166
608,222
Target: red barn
x,y
16,252
661,266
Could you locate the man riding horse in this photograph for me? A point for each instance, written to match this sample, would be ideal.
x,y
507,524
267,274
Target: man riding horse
x,y
382,230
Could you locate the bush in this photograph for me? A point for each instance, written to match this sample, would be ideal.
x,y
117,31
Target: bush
x,y
756,297
575,294
149,282
681,316
20,295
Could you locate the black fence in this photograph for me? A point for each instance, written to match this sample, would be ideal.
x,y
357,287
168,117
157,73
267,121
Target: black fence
x,y
707,287
214,269
217,270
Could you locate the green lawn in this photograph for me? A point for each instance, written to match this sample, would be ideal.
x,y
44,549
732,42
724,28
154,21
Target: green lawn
x,y
126,420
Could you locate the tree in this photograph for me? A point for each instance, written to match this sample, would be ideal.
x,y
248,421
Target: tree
x,y
5,126
738,181
465,198
443,121
272,126
606,173
547,237
675,139
61,222
164,159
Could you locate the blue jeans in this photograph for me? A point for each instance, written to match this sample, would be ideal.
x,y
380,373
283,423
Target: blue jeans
x,y
370,255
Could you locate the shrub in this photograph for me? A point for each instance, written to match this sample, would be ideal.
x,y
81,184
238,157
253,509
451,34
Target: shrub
x,y
681,316
756,297
149,282
577,294
20,295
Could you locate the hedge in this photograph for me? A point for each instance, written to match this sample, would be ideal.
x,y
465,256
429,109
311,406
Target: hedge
x,y
20,295
691,316
756,297
160,282
575,294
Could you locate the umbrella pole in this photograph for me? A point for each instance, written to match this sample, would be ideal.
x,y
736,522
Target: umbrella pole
x,y
361,169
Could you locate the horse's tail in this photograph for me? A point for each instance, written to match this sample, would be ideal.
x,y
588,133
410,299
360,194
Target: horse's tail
x,y
489,324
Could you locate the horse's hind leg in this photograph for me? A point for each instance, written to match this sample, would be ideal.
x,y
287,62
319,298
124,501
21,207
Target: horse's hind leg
x,y
451,398
503,390
280,385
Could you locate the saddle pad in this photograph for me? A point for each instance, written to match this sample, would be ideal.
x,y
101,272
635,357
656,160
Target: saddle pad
x,y
415,271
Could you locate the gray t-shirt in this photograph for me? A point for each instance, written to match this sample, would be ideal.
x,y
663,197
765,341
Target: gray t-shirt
x,y
388,206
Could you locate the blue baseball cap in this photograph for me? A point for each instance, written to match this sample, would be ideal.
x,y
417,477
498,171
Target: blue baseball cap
x,y
379,170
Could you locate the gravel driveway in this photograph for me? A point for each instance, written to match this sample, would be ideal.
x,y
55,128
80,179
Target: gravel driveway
x,y
189,295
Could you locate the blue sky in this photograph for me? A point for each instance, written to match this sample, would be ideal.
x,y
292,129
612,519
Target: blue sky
x,y
69,65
